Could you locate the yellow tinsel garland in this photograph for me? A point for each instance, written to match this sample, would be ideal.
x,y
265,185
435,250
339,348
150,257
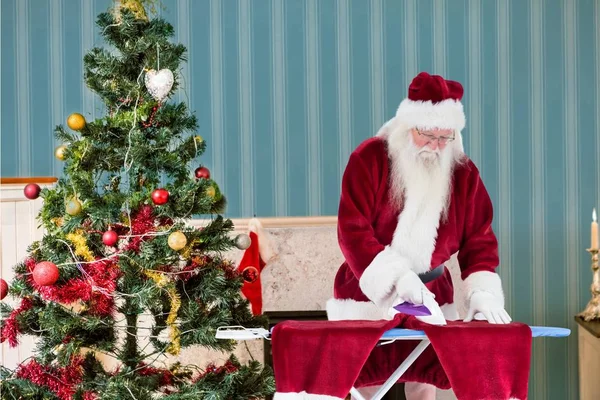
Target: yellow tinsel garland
x,y
186,252
58,221
161,281
175,345
81,248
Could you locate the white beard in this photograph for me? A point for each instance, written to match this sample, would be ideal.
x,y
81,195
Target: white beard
x,y
421,183
422,176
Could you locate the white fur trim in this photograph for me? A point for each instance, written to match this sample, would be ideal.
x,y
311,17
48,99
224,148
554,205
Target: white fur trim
x,y
484,281
386,128
265,245
348,309
458,143
450,312
416,233
447,114
303,396
423,203
379,278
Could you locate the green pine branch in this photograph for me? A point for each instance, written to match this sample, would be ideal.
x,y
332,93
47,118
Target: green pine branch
x,y
112,165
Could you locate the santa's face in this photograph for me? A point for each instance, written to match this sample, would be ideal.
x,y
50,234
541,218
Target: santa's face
x,y
422,166
430,143
429,148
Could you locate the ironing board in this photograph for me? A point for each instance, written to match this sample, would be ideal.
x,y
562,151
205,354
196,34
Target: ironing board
x,y
390,336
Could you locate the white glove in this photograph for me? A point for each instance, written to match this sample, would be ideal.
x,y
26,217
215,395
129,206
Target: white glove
x,y
486,306
411,289
436,317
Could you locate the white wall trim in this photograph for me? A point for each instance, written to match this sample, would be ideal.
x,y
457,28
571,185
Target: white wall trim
x,y
241,224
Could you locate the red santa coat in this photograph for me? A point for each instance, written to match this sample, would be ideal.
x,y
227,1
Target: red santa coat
x,y
368,221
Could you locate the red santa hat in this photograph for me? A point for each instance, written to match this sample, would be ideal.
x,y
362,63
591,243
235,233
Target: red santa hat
x,y
253,262
432,102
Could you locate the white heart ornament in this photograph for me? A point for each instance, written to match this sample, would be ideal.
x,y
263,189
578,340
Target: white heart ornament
x,y
159,83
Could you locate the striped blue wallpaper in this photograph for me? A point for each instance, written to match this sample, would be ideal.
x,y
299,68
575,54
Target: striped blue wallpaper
x,y
284,90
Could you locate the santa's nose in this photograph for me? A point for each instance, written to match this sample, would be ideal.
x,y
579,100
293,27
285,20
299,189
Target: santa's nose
x,y
433,145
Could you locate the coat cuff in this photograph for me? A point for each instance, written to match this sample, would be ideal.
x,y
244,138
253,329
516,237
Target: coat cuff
x,y
350,309
379,278
484,281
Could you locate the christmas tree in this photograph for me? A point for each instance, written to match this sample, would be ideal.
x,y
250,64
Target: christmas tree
x,y
117,248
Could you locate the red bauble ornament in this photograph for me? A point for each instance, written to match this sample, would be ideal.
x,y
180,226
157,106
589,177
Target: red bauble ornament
x,y
160,196
32,191
45,273
202,173
250,274
3,289
110,238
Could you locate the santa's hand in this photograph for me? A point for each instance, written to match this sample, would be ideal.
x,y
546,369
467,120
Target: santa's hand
x,y
436,317
410,288
486,306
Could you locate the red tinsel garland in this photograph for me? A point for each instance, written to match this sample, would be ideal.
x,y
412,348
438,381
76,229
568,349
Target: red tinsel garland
x,y
96,288
90,396
166,376
229,269
10,329
228,368
141,223
192,268
62,381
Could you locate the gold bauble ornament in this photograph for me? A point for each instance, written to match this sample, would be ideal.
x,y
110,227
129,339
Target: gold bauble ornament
x,y
198,138
59,152
211,192
177,240
76,121
73,206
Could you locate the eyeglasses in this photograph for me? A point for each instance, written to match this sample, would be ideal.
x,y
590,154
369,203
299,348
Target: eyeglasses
x,y
440,139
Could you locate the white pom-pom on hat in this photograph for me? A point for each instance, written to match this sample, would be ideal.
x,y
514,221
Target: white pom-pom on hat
x,y
265,245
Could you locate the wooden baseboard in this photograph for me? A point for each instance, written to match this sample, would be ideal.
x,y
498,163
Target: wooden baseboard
x,y
33,179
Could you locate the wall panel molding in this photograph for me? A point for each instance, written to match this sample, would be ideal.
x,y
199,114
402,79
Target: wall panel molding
x,y
241,224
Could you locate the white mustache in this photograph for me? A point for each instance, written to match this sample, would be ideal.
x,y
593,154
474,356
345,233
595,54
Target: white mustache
x,y
429,154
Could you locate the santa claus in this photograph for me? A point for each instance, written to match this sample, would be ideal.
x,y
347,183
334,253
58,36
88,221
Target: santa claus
x,y
411,199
